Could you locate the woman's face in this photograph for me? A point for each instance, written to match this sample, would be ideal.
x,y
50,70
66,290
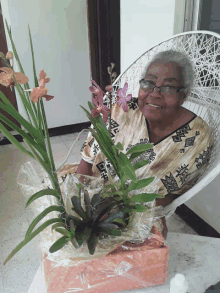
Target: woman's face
x,y
161,74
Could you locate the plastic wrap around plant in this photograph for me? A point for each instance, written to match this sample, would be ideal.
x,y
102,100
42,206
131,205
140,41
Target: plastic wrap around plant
x,y
32,178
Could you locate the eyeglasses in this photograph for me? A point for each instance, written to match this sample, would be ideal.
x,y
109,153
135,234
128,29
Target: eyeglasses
x,y
146,85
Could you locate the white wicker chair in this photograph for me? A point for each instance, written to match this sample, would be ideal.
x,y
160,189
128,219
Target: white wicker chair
x,y
203,47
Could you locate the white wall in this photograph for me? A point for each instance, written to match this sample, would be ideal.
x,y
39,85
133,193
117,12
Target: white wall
x,y
144,23
60,38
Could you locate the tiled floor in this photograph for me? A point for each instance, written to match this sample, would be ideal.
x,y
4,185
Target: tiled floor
x,y
16,276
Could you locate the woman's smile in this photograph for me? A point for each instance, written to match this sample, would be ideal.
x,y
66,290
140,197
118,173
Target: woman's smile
x,y
154,106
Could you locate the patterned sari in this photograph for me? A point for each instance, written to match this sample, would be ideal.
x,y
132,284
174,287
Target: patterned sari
x,y
176,161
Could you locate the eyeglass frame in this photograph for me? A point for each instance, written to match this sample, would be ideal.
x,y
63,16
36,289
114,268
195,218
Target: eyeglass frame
x,y
178,89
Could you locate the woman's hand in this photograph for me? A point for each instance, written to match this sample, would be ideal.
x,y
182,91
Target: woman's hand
x,y
168,199
84,168
164,229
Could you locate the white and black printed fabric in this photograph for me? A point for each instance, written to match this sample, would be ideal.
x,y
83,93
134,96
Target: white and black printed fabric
x,y
176,161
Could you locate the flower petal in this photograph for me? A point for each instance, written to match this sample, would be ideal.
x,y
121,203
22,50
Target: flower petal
x,y
94,101
128,98
21,78
108,88
105,116
37,93
42,75
125,107
7,70
95,112
5,79
125,88
119,101
96,86
92,89
120,92
48,97
99,98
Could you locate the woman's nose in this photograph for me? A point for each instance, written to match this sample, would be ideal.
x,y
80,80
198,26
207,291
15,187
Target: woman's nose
x,y
156,92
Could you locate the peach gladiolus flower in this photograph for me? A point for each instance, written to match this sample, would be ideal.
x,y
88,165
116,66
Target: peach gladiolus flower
x,y
41,91
6,77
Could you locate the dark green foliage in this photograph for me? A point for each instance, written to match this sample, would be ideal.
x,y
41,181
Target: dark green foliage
x,y
95,220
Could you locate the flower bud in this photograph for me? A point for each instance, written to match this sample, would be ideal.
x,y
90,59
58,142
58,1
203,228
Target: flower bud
x,y
9,55
114,75
113,65
109,70
108,88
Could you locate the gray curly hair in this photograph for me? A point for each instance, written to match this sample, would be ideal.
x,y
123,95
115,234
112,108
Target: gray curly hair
x,y
186,66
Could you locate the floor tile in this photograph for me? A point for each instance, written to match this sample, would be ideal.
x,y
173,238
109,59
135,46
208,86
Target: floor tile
x,y
1,281
7,147
19,272
60,151
73,136
176,225
12,226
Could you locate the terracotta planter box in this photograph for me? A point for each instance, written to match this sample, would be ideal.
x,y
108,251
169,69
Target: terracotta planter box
x,y
126,268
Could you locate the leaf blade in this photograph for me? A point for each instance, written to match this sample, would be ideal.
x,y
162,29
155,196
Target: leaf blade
x,y
140,148
41,216
60,243
141,183
42,193
34,234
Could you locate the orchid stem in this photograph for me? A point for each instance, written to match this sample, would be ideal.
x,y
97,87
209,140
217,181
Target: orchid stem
x,y
110,98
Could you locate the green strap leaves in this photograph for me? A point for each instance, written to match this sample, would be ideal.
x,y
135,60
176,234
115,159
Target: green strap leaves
x,y
42,193
140,164
63,232
60,243
34,234
140,184
41,216
24,135
140,148
127,167
14,141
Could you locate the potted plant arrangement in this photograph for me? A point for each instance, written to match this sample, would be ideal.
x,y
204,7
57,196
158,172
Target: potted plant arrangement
x,y
96,217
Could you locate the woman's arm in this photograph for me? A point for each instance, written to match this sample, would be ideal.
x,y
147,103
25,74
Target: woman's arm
x,y
84,168
166,200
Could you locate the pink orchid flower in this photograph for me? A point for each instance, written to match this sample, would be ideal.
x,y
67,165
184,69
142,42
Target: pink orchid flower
x,y
100,108
96,90
41,91
122,98
6,77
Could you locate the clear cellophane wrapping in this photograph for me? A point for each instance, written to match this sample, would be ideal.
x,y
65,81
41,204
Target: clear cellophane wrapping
x,y
32,178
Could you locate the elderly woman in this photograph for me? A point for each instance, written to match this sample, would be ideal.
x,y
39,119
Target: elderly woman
x,y
182,140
